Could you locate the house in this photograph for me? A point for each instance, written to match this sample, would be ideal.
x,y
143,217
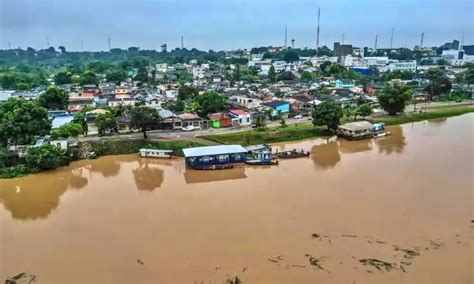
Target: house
x,y
169,91
169,119
245,102
126,101
77,103
220,120
90,89
278,108
189,121
216,78
356,130
212,157
342,84
240,117
300,104
121,91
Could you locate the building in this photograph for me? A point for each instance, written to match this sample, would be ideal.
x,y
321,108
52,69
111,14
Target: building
x,y
240,117
342,49
169,91
220,120
122,101
188,121
452,54
278,108
214,157
356,130
403,65
468,49
245,102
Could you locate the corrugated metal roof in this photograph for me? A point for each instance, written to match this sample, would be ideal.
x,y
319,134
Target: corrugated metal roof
x,y
213,150
356,126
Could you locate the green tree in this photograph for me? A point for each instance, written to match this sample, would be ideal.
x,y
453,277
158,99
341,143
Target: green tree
x,y
67,130
283,122
45,157
261,123
364,110
327,113
54,98
291,56
307,76
89,78
272,74
187,93
394,97
438,87
62,78
210,102
144,118
116,76
105,121
285,75
192,107
142,75
21,121
236,74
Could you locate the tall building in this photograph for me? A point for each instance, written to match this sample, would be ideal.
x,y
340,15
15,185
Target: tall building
x,y
468,49
342,49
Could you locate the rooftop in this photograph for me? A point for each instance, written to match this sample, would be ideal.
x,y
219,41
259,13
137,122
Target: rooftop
x,y
355,126
213,150
238,111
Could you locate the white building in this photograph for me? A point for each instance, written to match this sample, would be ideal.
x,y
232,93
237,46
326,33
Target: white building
x,y
403,65
452,54
161,67
199,72
377,61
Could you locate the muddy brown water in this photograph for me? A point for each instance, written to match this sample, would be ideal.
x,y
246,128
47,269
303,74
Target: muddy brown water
x,y
406,200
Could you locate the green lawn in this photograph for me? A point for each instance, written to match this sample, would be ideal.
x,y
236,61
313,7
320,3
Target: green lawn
x,y
307,130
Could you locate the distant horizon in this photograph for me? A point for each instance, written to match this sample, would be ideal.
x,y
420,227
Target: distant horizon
x,y
230,25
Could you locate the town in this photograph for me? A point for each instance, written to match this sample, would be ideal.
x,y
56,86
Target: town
x,y
180,94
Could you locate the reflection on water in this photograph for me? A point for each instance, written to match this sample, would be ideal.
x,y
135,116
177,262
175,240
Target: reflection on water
x,y
326,156
437,122
110,170
37,197
393,143
196,176
147,177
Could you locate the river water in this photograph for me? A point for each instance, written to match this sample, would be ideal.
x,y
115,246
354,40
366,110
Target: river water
x,y
406,199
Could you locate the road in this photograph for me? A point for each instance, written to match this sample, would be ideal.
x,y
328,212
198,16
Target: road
x,y
194,135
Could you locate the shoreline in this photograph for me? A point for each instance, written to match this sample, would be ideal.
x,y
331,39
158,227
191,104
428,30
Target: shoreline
x,y
291,133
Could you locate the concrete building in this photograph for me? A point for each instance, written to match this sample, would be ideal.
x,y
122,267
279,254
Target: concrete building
x,y
452,54
342,49
404,65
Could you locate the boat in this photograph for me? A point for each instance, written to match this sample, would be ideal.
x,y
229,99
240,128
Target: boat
x,y
260,155
382,134
293,154
214,157
157,153
362,130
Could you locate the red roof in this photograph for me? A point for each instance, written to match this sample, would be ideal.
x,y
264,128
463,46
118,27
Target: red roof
x,y
238,111
87,94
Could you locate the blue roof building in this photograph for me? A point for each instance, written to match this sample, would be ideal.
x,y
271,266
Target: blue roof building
x,y
214,157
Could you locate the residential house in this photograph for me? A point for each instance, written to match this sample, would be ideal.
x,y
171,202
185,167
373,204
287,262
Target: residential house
x,y
343,84
122,91
78,102
189,120
278,108
169,91
124,101
240,117
220,120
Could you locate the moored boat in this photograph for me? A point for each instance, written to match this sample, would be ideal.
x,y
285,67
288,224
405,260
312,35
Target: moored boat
x,y
214,157
293,154
157,153
260,155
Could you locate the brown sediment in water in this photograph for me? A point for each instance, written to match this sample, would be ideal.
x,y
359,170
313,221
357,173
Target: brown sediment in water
x,y
390,210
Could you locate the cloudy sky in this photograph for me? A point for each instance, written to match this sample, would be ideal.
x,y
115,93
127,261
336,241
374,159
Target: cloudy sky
x,y
230,24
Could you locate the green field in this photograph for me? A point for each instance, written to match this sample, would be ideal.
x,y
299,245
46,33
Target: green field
x,y
307,130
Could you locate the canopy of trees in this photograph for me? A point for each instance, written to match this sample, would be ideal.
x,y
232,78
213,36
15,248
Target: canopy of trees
x,y
144,118
291,56
394,97
89,78
327,114
45,157
21,121
54,98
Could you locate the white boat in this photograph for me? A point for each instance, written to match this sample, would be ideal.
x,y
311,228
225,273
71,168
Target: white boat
x,y
156,153
382,134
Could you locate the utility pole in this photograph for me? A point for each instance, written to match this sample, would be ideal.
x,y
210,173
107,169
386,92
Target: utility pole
x,y
375,46
182,42
391,40
317,33
286,35
422,36
108,41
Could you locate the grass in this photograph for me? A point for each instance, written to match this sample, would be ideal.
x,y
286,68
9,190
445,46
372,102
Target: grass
x,y
271,135
433,113
132,146
307,130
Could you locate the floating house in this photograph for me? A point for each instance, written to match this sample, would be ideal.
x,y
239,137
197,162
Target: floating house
x,y
260,155
214,157
156,153
356,130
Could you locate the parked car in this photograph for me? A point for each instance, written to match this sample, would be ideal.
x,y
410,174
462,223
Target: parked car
x,y
191,128
299,116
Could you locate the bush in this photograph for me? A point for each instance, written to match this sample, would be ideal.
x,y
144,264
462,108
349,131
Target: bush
x,y
45,157
14,171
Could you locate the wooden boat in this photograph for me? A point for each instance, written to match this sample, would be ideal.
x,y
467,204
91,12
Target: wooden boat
x,y
382,134
292,154
156,153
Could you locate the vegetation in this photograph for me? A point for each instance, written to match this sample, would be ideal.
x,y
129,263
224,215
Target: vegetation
x,y
327,114
45,157
67,130
210,102
272,74
261,123
434,113
21,121
291,56
364,110
54,98
144,118
394,97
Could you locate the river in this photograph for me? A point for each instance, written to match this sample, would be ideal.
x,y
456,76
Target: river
x,y
406,199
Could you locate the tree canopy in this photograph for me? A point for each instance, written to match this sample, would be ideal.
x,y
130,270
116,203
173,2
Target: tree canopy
x,y
45,157
54,98
328,114
21,121
210,102
89,78
144,118
394,97
291,56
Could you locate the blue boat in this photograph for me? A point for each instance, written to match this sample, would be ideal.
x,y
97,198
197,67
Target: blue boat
x,y
260,155
214,157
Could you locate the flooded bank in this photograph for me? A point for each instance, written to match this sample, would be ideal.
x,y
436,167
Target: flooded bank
x,y
390,210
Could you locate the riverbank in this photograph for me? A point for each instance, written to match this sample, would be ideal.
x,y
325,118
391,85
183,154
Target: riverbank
x,y
307,130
